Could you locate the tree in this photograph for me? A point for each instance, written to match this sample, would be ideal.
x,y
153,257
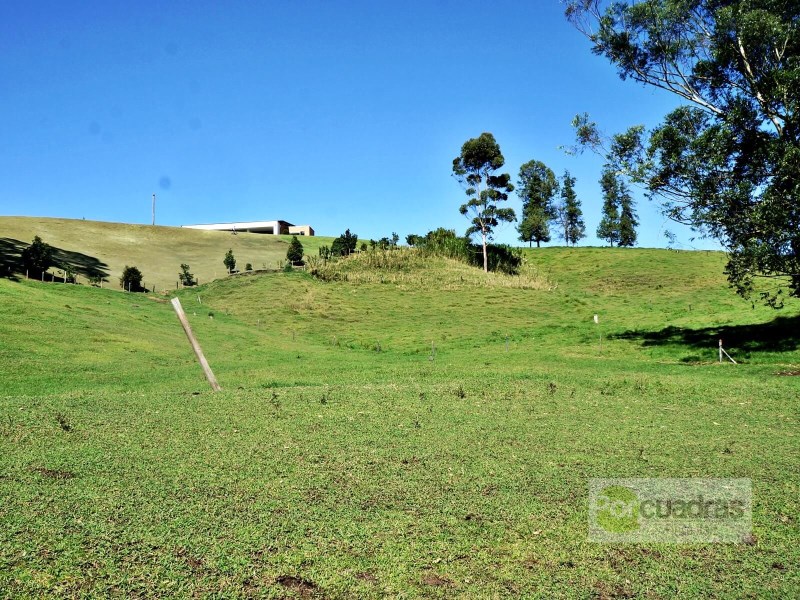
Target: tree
x,y
628,220
229,261
412,239
186,278
727,162
131,279
37,258
569,211
344,244
608,229
294,254
475,169
537,186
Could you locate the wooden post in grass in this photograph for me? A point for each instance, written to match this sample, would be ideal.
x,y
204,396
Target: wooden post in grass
x,y
176,304
722,351
597,322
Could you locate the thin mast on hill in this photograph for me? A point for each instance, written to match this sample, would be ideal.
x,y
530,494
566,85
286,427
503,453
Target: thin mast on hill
x,y
154,209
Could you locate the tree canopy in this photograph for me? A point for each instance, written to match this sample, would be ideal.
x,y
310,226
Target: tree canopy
x,y
727,162
186,277
344,244
608,228
229,261
476,171
569,210
537,187
294,253
131,279
37,258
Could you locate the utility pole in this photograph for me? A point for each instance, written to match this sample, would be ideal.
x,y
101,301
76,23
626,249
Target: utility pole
x,y
154,209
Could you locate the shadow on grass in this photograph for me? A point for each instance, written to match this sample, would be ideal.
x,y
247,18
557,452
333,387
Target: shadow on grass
x,y
779,335
80,264
10,251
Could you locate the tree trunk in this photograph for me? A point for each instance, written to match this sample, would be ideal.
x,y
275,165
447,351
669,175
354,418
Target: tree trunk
x,y
485,254
538,245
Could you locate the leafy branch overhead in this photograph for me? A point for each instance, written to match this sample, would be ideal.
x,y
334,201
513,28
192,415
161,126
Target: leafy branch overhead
x,y
727,162
476,171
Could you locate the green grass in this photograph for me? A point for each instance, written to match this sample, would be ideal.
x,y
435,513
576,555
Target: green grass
x,y
428,436
157,251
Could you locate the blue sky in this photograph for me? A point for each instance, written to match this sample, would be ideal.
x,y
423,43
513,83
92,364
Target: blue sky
x,y
335,114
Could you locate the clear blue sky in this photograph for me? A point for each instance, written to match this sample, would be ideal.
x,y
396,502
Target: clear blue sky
x,y
335,114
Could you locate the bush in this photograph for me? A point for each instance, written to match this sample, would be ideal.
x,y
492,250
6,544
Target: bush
x,y
501,257
187,279
229,261
37,258
445,242
131,279
248,267
295,252
345,244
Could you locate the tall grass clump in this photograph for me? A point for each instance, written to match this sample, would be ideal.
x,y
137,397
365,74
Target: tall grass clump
x,y
420,267
502,258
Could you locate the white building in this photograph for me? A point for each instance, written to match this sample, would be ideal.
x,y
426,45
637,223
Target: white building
x,y
267,227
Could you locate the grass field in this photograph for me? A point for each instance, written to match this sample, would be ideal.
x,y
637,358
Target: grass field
x,y
157,251
417,433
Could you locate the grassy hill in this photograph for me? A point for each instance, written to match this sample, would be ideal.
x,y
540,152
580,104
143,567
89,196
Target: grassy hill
x,y
157,251
422,431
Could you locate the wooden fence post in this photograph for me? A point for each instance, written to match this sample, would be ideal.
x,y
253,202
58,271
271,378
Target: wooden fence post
x,y
176,304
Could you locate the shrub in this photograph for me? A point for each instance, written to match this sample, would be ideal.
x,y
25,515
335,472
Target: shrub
x,y
131,279
37,258
187,279
248,267
344,244
412,239
229,261
445,242
502,258
295,252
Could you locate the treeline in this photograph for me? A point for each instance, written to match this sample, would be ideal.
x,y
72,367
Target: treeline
x,y
548,203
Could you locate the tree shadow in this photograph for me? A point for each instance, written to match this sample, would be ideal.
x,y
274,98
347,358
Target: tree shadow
x,y
10,260
782,334
77,262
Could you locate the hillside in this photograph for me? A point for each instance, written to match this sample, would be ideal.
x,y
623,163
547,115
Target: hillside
x,y
424,433
157,251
